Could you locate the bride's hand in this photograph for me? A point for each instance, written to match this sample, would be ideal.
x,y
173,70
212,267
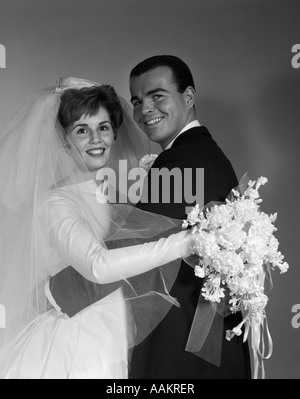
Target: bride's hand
x,y
188,240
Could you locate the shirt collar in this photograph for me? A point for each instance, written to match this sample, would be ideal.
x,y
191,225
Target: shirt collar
x,y
194,123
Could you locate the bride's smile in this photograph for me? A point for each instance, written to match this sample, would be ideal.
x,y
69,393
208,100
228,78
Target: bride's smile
x,y
92,137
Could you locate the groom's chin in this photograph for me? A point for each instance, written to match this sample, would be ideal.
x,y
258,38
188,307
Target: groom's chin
x,y
153,135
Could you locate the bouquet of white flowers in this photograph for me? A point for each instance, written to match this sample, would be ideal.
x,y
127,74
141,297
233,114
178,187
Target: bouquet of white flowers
x,y
236,247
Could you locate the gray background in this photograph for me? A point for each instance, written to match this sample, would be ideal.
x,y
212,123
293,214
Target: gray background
x,y
248,93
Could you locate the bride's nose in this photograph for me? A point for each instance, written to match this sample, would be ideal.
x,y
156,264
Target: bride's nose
x,y
95,137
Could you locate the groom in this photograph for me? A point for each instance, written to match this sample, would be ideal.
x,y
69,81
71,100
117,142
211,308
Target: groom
x,y
163,97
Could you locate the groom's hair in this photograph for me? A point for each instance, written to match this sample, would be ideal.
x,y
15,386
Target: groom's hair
x,y
181,72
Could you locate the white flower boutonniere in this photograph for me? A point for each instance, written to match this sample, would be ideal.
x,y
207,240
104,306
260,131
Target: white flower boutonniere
x,y
147,161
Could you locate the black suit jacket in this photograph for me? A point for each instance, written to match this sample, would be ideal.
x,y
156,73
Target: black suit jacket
x,y
162,354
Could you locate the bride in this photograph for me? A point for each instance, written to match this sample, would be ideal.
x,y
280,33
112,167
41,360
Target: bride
x,y
52,218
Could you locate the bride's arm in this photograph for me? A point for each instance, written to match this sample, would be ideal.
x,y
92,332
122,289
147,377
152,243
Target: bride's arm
x,y
74,241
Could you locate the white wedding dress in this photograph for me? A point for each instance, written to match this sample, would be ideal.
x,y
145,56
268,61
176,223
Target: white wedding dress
x,y
94,343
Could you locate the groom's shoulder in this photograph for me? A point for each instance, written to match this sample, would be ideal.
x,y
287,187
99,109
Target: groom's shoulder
x,y
194,145
196,139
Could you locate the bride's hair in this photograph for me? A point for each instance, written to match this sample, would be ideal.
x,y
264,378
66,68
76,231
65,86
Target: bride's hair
x,y
86,101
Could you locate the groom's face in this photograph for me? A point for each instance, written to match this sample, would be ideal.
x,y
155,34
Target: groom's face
x,y
159,108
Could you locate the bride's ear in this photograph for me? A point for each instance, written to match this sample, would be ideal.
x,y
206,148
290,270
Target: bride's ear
x,y
115,135
67,140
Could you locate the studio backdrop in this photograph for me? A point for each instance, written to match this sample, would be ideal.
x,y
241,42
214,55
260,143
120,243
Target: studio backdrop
x,y
244,55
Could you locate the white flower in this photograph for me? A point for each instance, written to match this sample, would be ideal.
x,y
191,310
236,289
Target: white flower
x,y
219,216
199,272
235,331
194,217
147,161
273,245
235,193
261,181
229,335
232,236
245,210
206,244
283,267
185,224
228,263
211,289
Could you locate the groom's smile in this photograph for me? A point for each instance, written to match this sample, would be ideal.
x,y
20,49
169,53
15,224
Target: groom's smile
x,y
153,122
158,107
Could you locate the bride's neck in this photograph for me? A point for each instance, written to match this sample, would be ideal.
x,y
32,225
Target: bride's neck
x,y
80,177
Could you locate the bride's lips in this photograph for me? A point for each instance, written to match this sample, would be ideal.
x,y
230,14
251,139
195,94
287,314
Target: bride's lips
x,y
96,152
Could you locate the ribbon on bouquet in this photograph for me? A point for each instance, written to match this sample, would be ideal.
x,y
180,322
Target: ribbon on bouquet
x,y
206,334
207,331
258,331
261,340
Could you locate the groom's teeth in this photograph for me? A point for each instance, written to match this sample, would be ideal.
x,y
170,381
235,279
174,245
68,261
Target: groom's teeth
x,y
153,121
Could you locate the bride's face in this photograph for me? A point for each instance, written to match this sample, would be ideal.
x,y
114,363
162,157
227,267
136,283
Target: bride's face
x,y
92,137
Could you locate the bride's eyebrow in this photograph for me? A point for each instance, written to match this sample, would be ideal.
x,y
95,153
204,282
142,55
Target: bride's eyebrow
x,y
103,122
86,125
79,125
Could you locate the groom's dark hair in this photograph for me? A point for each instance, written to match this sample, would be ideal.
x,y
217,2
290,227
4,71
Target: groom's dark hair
x,y
181,72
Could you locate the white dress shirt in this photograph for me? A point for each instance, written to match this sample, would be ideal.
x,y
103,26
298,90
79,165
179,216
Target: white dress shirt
x,y
194,123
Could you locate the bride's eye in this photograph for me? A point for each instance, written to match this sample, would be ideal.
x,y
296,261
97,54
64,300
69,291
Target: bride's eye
x,y
106,128
82,131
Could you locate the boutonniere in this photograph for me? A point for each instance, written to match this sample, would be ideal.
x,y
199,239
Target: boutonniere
x,y
147,161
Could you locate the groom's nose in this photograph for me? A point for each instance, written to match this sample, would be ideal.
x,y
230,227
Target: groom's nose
x,y
147,106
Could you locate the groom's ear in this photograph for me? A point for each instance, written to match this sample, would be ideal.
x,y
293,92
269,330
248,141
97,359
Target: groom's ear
x,y
190,95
